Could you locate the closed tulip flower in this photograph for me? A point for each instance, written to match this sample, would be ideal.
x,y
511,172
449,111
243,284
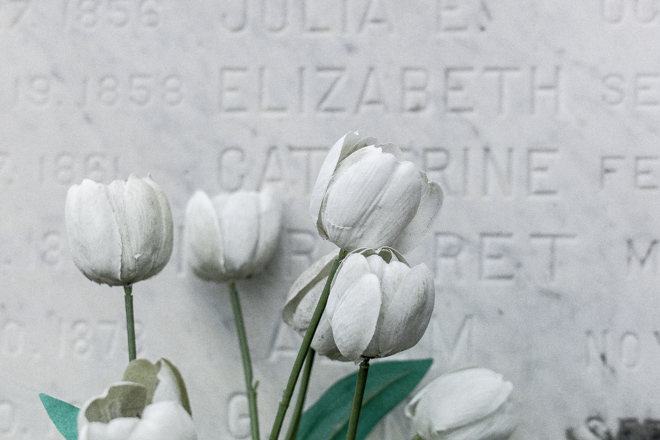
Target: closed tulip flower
x,y
468,404
377,307
151,403
366,196
232,236
119,233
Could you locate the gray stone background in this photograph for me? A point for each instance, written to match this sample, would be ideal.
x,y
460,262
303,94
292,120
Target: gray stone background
x,y
538,118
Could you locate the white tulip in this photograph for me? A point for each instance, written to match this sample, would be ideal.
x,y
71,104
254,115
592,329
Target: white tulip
x,y
366,196
152,406
234,235
468,404
120,233
302,300
377,307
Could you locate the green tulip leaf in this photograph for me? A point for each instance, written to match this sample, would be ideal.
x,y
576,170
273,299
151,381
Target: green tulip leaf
x,y
64,416
388,384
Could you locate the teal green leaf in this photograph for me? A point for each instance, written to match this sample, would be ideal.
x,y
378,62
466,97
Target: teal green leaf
x,y
64,416
388,384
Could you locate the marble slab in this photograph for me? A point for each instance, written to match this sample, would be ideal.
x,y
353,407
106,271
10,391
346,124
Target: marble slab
x,y
540,119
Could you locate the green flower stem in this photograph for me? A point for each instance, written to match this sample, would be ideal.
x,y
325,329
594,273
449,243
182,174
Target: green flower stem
x,y
130,321
302,352
357,399
417,437
302,394
250,387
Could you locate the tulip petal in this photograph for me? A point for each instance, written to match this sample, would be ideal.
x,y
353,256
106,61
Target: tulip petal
x,y
499,425
94,236
115,430
467,395
238,214
353,306
324,342
204,238
124,399
323,179
305,293
171,385
356,316
270,221
140,222
350,271
166,420
371,199
345,146
164,247
127,199
423,221
407,307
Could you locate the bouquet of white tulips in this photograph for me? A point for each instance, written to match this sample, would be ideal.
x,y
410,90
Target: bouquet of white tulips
x,y
358,303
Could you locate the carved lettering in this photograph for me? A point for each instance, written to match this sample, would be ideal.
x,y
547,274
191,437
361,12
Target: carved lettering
x,y
451,16
502,74
448,256
232,168
455,348
614,89
90,15
643,12
414,93
273,171
375,15
265,101
12,340
339,90
236,20
275,15
232,90
608,166
238,416
310,160
319,18
546,90
646,172
300,247
458,83
371,93
552,241
613,353
286,343
539,171
503,174
495,257
644,259
337,80
8,418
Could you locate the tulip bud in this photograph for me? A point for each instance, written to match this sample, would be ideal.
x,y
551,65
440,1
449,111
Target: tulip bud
x,y
366,196
120,233
234,235
377,307
150,404
468,404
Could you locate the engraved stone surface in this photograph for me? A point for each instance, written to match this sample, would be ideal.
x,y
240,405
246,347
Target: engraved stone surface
x,y
540,119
